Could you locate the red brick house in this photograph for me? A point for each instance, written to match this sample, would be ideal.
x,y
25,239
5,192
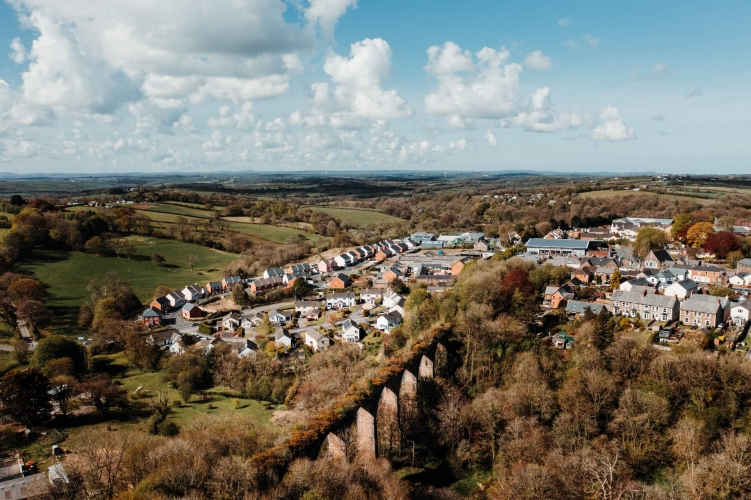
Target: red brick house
x,y
150,317
458,266
162,304
191,311
340,281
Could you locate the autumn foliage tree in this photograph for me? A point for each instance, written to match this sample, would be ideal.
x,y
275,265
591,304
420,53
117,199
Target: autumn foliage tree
x,y
698,233
721,244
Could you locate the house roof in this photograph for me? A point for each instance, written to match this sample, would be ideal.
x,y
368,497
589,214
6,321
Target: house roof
x,y
150,312
306,303
685,284
162,336
341,295
164,301
314,334
578,307
371,291
274,312
343,277
231,316
280,333
662,255
701,306
723,301
744,262
189,307
649,299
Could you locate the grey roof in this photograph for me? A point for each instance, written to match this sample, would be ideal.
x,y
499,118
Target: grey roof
x,y
723,301
701,306
567,244
578,306
341,295
307,303
686,284
744,262
649,299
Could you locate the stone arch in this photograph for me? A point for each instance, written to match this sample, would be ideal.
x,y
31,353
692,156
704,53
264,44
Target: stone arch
x,y
426,368
337,449
387,422
366,442
407,404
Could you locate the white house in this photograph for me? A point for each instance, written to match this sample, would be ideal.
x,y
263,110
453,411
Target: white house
x,y
740,313
278,316
231,321
192,293
308,308
398,307
342,261
251,320
681,290
388,321
391,298
340,300
283,338
351,331
316,341
176,299
371,295
741,279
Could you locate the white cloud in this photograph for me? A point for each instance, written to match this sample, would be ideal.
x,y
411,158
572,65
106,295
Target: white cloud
x,y
326,13
449,59
540,117
489,92
592,41
572,44
564,21
17,51
658,71
536,60
491,138
243,119
612,127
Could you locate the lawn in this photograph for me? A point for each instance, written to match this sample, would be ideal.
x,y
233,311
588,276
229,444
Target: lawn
x,y
358,216
67,274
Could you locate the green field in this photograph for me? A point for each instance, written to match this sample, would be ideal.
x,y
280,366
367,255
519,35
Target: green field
x,y
621,193
358,216
67,274
271,233
173,209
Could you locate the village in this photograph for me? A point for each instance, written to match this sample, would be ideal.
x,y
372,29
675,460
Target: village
x,y
361,292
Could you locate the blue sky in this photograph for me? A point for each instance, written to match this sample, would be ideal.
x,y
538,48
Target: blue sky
x,y
91,86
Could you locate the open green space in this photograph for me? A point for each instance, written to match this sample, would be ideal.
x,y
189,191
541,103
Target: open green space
x,y
272,233
622,193
173,209
67,274
358,216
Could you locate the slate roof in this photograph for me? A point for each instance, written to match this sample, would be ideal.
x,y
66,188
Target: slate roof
x,y
649,299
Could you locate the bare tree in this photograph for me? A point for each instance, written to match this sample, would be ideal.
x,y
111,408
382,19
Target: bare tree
x,y
181,223
192,260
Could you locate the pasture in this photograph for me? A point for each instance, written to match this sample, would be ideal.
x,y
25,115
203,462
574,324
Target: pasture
x,y
622,193
358,216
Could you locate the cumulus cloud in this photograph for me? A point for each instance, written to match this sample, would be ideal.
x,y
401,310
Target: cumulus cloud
x,y
243,119
326,13
541,117
611,126
17,51
491,91
536,60
491,138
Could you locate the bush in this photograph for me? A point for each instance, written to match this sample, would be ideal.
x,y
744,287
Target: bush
x,y
205,329
177,403
235,403
168,428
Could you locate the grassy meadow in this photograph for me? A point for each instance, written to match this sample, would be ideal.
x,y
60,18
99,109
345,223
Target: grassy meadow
x,y
358,216
67,274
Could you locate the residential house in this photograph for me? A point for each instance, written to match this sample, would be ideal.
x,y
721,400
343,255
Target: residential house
x,y
289,278
562,341
708,274
482,246
342,261
458,266
578,308
392,273
316,341
230,282
371,295
191,293
626,286
681,289
724,302
340,281
251,320
340,300
300,269
162,304
162,338
541,246
278,316
555,294
646,306
283,338
176,300
265,284
391,298
657,259
701,312
351,331
204,346
231,321
386,322
740,313
150,317
399,306
743,266
740,279
245,348
586,274
273,271
213,287
309,309
191,311
327,266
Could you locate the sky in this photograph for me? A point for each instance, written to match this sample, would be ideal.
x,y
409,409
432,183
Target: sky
x,y
97,86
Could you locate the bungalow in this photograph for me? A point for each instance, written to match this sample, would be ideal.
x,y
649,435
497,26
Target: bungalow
x,y
279,316
213,287
681,289
251,320
386,322
309,309
701,313
708,274
191,311
283,338
351,331
228,283
161,304
265,284
340,281
741,312
273,271
176,300
646,306
191,293
391,298
231,321
578,308
658,259
371,295
562,341
150,317
340,300
327,266
316,341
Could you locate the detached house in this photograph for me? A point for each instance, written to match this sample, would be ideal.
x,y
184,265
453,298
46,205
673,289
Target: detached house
x,y
283,338
250,321
191,293
740,279
644,305
150,317
371,295
340,281
228,283
554,295
386,322
351,331
279,316
391,298
161,304
658,259
316,341
741,312
340,300
231,321
681,289
309,309
213,287
191,311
